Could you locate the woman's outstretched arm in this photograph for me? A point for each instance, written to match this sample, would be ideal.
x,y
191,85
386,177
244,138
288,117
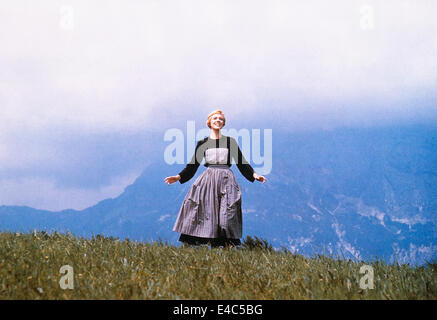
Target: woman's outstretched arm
x,y
190,169
259,178
242,164
172,179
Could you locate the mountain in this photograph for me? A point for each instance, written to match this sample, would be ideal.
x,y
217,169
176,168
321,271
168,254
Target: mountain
x,y
359,193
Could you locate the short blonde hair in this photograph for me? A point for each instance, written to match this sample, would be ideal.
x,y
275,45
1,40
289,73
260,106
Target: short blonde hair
x,y
208,121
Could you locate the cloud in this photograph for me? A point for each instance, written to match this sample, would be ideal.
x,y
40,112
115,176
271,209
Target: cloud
x,y
124,64
64,168
44,193
71,158
104,68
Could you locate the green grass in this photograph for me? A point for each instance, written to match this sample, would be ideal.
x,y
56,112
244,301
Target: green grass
x,y
108,268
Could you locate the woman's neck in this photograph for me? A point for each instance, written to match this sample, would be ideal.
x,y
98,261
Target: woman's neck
x,y
215,134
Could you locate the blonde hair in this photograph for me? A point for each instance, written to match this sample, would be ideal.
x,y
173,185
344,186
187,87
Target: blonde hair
x,y
208,121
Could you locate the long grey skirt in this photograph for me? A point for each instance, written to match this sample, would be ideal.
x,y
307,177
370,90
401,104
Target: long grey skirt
x,y
212,206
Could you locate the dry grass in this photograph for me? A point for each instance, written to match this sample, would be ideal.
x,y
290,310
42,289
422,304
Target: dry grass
x,y
108,268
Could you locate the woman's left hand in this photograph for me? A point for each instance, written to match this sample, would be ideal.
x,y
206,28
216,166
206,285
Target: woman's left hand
x,y
259,178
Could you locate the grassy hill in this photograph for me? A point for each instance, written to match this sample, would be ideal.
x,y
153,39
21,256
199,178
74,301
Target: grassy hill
x,y
109,268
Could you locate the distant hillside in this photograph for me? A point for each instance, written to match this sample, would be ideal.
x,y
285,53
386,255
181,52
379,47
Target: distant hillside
x,y
107,268
358,193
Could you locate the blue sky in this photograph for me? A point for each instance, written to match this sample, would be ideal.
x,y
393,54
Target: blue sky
x,y
82,82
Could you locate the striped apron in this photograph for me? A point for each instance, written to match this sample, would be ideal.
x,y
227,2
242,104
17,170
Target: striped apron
x,y
212,206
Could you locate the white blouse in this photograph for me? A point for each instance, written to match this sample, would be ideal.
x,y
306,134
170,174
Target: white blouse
x,y
216,155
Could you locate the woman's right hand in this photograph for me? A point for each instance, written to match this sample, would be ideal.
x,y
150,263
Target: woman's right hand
x,y
172,179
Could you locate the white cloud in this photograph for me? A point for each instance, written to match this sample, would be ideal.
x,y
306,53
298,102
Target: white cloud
x,y
41,193
121,62
140,65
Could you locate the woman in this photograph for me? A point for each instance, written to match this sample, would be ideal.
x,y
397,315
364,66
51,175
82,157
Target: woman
x,y
211,211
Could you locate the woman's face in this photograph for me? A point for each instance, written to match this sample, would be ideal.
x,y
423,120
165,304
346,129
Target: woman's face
x,y
217,121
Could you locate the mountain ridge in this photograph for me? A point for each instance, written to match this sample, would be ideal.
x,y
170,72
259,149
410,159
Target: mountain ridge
x,y
362,193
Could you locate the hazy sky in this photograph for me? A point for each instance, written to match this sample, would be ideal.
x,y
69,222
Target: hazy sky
x,y
80,77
